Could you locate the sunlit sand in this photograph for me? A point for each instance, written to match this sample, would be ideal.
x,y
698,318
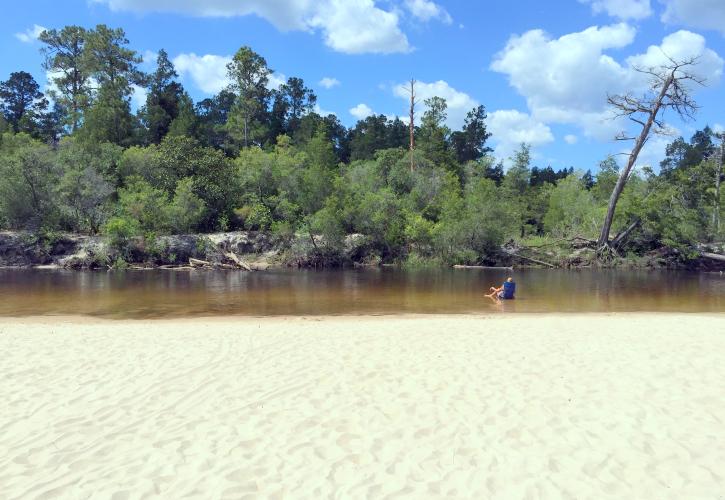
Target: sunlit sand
x,y
525,406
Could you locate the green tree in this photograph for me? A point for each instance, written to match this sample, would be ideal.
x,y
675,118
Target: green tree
x,y
164,102
64,59
249,74
470,143
83,192
22,103
113,67
28,175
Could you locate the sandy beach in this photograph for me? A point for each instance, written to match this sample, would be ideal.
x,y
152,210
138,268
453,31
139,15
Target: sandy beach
x,y
525,406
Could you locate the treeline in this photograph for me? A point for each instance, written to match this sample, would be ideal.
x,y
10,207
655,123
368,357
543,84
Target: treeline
x,y
256,158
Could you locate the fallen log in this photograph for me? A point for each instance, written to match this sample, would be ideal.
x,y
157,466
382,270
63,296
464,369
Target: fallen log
x,y
198,263
713,256
239,262
535,261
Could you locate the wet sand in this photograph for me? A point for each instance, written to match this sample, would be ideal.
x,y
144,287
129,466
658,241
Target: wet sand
x,y
524,406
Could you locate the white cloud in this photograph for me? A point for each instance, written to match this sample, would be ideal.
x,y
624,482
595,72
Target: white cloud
x,y
349,26
358,27
361,111
571,139
329,82
622,9
703,14
509,128
208,72
425,10
459,103
566,80
322,112
276,80
682,45
138,97
30,34
718,128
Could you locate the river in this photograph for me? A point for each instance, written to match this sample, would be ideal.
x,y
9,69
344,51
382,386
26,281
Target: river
x,y
165,293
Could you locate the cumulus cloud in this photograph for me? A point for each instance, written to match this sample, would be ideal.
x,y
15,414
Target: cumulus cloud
x,y
276,80
703,14
322,112
361,111
138,97
459,103
509,128
566,80
622,9
682,45
329,82
30,34
349,26
425,10
208,72
571,139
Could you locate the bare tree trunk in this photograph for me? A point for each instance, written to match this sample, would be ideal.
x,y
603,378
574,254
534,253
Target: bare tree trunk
x,y
718,175
603,243
411,125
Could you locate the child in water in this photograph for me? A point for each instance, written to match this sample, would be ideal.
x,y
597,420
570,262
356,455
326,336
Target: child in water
x,y
506,291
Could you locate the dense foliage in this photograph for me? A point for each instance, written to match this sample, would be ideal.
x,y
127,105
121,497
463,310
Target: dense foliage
x,y
259,159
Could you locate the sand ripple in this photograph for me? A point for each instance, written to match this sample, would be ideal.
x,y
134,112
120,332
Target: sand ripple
x,y
624,406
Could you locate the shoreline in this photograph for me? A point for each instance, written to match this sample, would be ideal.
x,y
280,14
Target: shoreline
x,y
88,319
624,405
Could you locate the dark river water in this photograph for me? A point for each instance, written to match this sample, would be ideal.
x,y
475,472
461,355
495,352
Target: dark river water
x,y
164,293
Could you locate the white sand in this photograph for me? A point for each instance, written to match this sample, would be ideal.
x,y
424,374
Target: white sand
x,y
587,406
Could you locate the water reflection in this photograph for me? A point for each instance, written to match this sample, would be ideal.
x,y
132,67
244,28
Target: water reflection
x,y
162,293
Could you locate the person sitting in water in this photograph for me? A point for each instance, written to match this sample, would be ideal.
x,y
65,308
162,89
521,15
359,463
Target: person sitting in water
x,y
506,291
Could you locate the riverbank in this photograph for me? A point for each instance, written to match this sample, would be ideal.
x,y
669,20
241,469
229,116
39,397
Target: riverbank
x,y
539,406
258,250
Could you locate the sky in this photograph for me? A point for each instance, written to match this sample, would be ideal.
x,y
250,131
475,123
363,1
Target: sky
x,y
542,69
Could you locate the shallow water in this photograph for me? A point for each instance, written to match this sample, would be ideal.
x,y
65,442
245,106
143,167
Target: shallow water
x,y
164,293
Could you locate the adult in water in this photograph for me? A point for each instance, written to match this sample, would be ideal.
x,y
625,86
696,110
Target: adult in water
x,y
506,291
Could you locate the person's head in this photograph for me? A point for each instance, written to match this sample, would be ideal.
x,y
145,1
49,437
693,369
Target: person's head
x,y
510,279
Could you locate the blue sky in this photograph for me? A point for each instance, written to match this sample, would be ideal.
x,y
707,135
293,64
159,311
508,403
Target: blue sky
x,y
542,69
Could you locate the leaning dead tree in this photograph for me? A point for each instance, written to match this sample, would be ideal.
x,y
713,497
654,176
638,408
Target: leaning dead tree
x,y
669,89
411,124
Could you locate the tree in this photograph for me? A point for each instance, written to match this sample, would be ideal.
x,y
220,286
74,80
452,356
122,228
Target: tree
x,y
299,101
249,74
470,143
21,102
433,134
28,175
212,116
164,100
64,60
83,193
113,67
668,90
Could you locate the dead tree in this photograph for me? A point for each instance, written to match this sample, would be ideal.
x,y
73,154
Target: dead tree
x,y
718,176
411,125
669,89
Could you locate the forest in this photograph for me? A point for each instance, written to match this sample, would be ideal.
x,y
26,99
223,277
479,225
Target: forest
x,y
78,159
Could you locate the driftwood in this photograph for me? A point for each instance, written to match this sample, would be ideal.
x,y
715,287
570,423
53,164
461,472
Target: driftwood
x,y
535,261
198,263
573,240
239,262
461,266
619,239
713,256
